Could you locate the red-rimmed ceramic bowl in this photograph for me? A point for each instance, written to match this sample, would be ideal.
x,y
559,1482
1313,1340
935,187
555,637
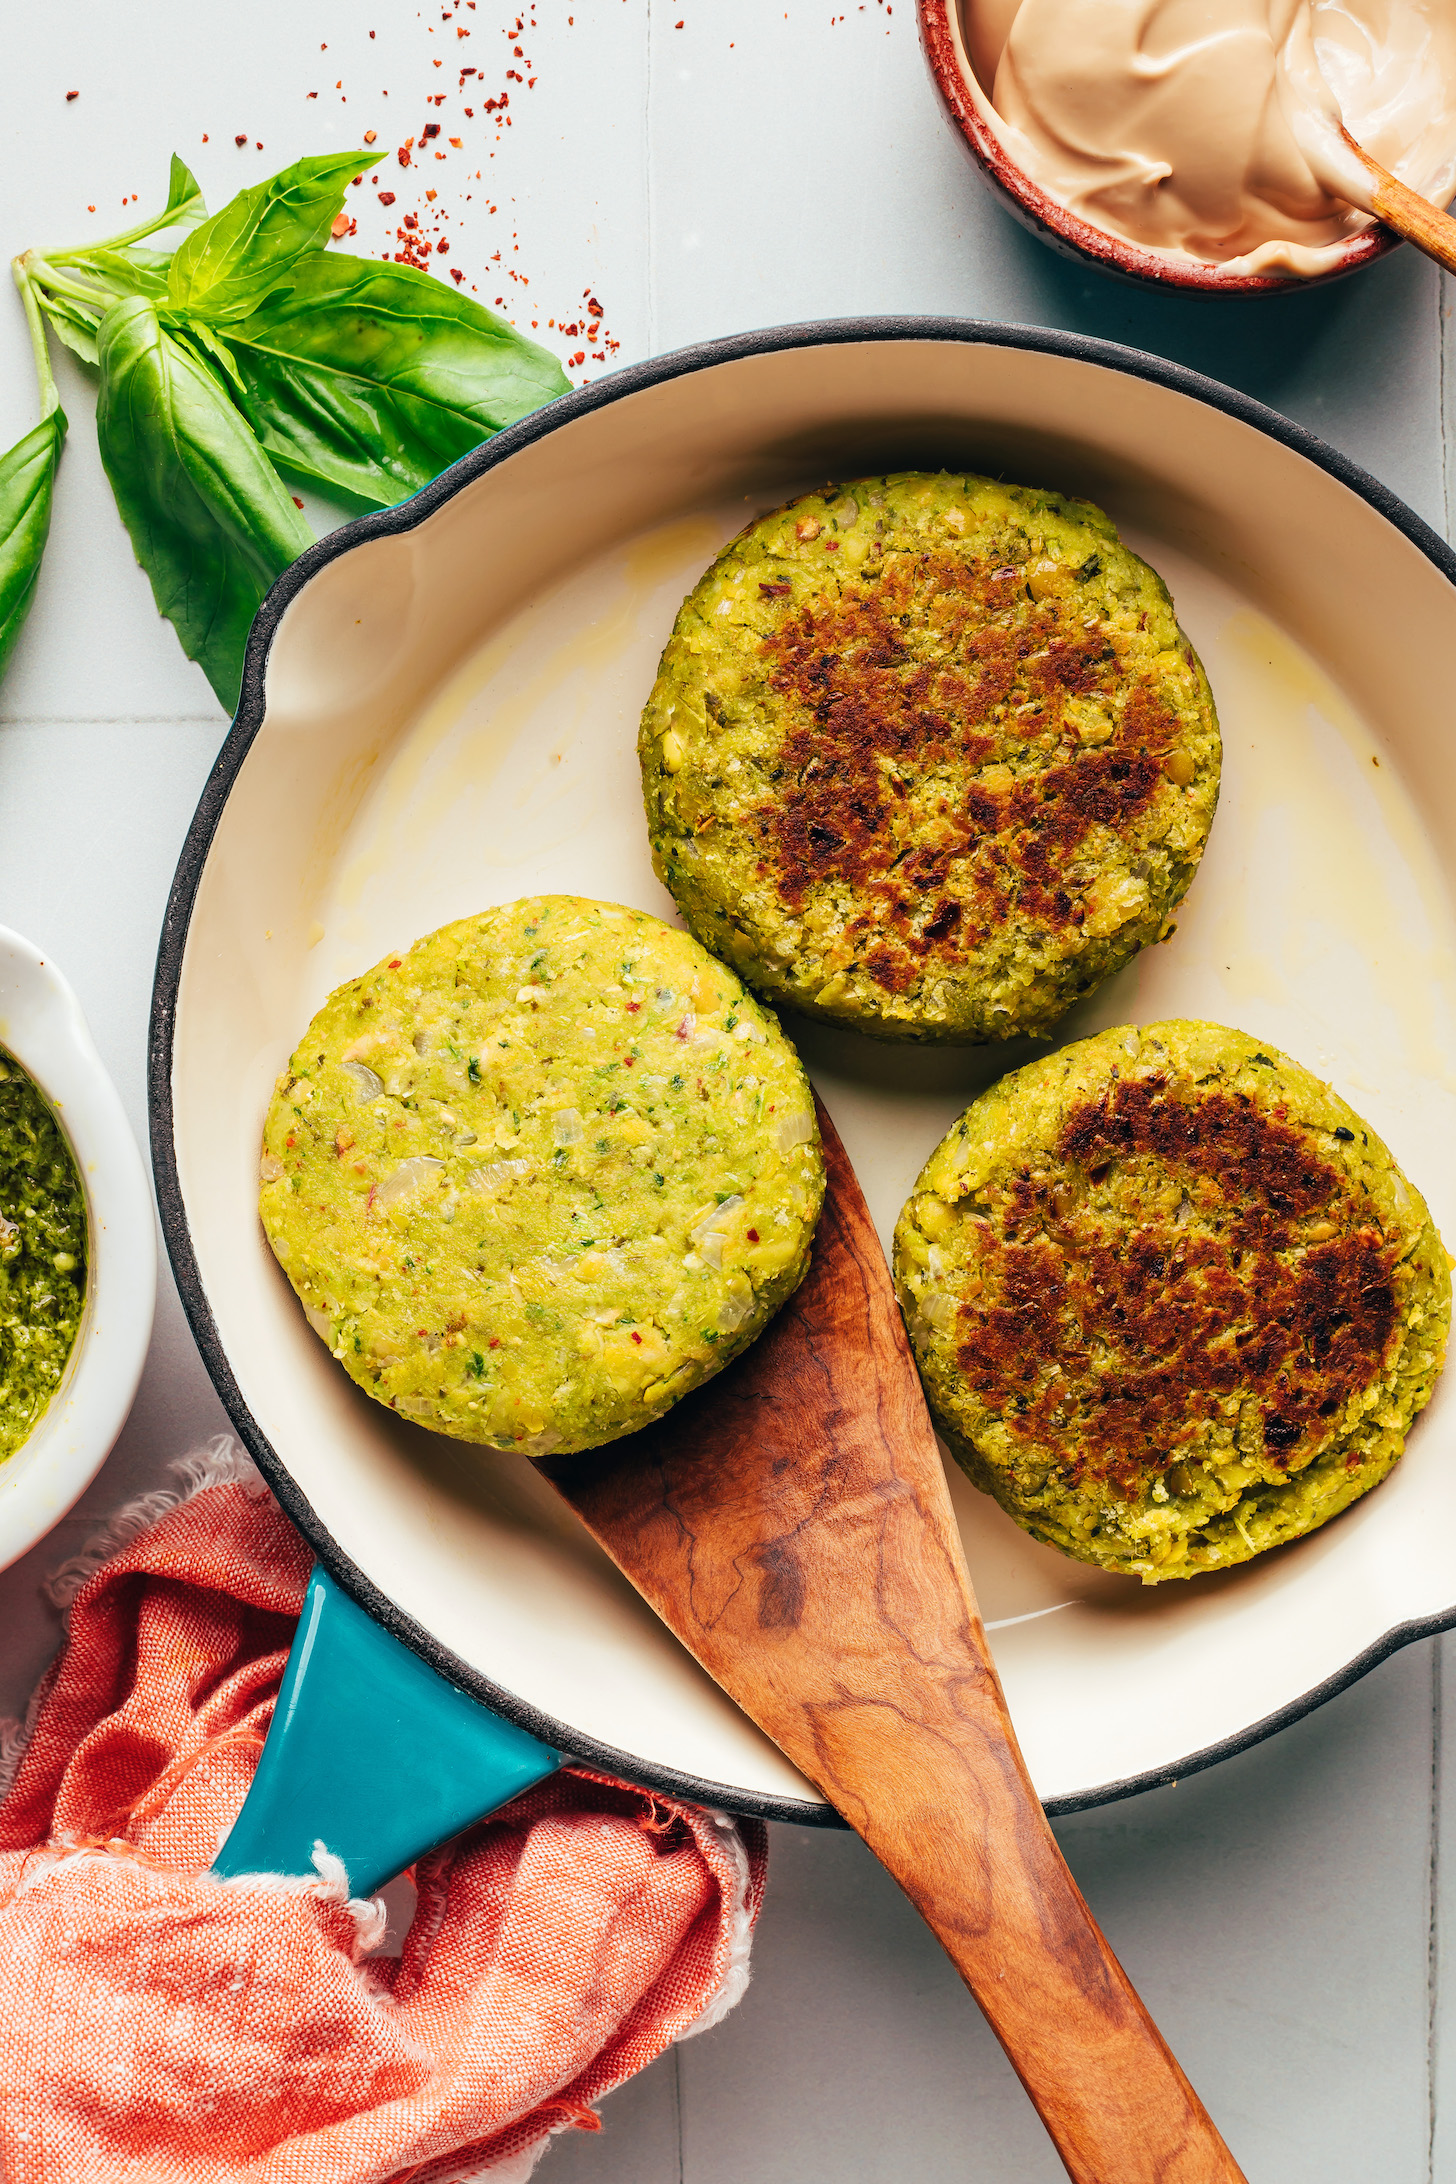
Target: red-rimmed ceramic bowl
x,y
968,109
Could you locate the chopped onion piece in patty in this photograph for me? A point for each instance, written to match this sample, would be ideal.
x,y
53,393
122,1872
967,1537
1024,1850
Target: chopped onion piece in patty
x,y
408,1177
792,1130
369,1085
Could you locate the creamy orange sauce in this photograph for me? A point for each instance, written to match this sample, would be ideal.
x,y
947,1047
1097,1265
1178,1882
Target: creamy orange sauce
x,y
1209,129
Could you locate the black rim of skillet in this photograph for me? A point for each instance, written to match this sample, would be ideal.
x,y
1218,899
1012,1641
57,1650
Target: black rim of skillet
x,y
1135,364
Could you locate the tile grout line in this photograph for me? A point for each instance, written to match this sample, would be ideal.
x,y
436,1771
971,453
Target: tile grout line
x,y
647,176
1433,1875
677,2111
1433,1904
112,720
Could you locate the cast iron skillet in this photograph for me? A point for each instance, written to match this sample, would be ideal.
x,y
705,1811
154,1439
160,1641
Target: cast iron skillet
x,y
1273,513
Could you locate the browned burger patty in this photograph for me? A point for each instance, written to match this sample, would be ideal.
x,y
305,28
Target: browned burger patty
x,y
1172,1300
930,756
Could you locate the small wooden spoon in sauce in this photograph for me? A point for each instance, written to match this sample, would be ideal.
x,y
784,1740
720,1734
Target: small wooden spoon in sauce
x,y
1403,209
791,1523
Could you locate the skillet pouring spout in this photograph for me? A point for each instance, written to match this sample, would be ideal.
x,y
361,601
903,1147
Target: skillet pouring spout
x,y
790,1523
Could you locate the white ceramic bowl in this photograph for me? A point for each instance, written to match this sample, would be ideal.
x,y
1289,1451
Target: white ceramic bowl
x,y
42,1026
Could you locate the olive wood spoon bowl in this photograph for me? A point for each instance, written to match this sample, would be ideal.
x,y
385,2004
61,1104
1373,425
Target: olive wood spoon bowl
x,y
1405,210
791,1523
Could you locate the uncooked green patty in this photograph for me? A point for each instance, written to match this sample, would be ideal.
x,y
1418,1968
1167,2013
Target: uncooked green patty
x,y
930,756
539,1175
1172,1300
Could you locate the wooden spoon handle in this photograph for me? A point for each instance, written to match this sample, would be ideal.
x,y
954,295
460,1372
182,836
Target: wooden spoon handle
x,y
1410,214
932,1777
790,1521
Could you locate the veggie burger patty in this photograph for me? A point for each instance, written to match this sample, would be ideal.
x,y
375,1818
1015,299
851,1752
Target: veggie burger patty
x,y
1173,1302
929,755
542,1173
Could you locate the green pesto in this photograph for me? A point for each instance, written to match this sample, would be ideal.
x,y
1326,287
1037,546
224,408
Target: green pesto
x,y
42,1255
1172,1300
539,1175
929,755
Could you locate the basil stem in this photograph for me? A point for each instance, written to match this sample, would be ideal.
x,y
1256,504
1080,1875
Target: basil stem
x,y
248,342
27,481
209,520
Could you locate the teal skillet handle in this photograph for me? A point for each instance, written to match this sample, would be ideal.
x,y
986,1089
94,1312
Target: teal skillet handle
x,y
372,1754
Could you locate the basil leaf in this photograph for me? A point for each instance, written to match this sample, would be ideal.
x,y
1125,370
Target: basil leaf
x,y
373,377
133,272
184,207
226,267
72,324
27,476
210,522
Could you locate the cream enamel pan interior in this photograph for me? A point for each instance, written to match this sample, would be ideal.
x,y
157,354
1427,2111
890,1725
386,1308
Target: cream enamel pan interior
x,y
440,712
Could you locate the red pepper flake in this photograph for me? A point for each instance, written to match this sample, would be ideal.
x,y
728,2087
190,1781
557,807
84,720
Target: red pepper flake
x,y
633,1007
774,591
307,95
831,545
72,95
410,220
240,140
296,501
494,1343
431,129
442,246
339,225
386,197
455,140
403,154
456,274
394,963
636,1337
370,134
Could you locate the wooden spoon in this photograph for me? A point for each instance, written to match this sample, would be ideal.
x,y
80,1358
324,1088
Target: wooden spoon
x,y
790,1522
1403,209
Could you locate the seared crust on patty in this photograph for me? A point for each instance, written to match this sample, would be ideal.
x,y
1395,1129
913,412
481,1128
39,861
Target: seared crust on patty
x,y
1173,1301
929,755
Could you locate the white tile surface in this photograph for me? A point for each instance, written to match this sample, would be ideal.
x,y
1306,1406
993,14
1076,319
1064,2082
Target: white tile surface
x,y
1288,1915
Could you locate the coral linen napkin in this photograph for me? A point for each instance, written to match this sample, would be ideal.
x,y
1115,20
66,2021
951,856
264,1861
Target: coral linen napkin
x,y
159,2025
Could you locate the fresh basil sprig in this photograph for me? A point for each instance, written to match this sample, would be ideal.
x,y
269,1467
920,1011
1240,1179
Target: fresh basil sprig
x,y
230,263
208,516
27,479
371,378
246,351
